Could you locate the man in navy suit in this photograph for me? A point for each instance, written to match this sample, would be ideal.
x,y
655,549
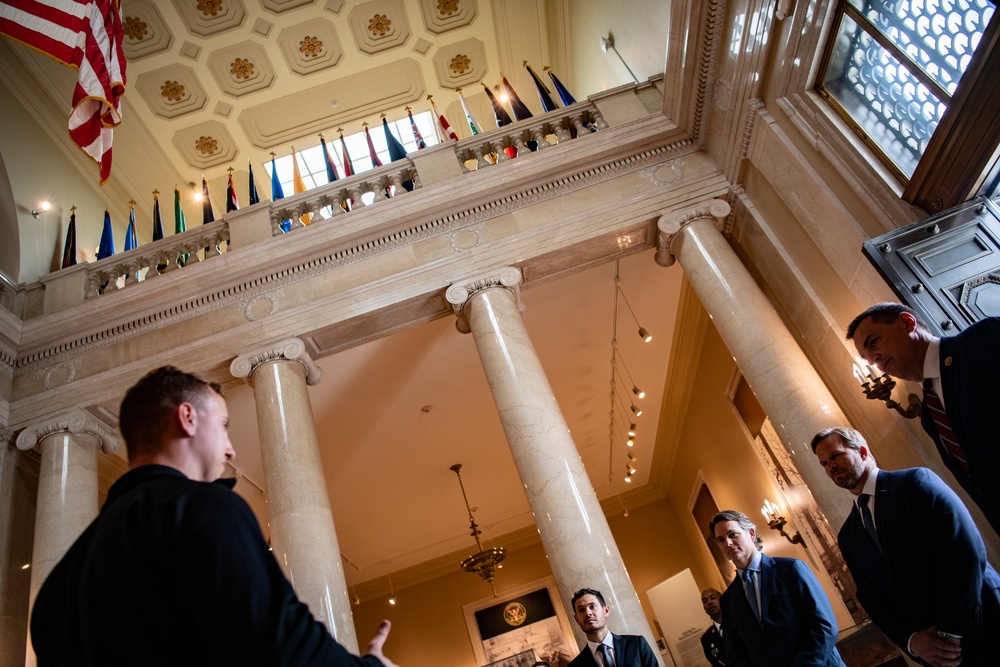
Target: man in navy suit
x,y
959,374
603,648
711,641
790,622
917,559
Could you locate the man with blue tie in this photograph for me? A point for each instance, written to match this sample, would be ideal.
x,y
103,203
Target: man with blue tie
x,y
917,559
775,613
959,374
603,648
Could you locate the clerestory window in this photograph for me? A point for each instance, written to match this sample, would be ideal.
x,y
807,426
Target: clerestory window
x,y
895,70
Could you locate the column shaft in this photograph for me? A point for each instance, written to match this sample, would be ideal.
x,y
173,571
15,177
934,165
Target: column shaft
x,y
786,384
302,531
574,531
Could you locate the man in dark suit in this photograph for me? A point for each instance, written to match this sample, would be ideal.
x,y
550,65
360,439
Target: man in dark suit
x,y
603,648
775,613
917,559
959,374
712,642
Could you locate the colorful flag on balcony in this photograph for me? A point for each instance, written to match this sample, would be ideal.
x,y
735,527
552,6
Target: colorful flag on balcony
x,y
445,125
396,150
232,203
277,192
376,162
180,225
87,36
69,248
254,197
500,114
543,90
564,95
107,246
298,185
348,165
331,169
131,240
473,125
421,144
157,220
207,213
516,105
157,225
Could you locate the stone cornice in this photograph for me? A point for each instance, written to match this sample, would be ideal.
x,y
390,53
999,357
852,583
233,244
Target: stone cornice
x,y
289,349
76,421
458,295
670,224
182,295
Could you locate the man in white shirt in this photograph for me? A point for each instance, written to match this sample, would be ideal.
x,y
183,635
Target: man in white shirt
x,y
916,556
959,375
603,648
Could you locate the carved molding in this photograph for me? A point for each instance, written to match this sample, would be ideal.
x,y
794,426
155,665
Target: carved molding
x,y
262,284
289,349
78,422
459,294
671,224
754,107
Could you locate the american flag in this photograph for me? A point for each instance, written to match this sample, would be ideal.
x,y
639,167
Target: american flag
x,y
86,35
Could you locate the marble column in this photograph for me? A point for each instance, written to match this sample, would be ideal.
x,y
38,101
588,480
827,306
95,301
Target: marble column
x,y
67,486
787,386
303,537
574,531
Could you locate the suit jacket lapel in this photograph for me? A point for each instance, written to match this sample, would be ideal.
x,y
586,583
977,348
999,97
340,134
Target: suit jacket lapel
x,y
766,585
619,646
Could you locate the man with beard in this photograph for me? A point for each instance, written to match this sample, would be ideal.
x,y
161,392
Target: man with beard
x,y
711,641
603,648
917,559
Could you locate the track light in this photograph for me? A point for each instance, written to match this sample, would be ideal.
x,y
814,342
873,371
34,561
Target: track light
x,y
631,430
631,471
628,477
631,441
636,410
644,335
392,593
638,392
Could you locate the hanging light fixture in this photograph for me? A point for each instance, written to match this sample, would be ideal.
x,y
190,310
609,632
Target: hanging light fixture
x,y
643,334
392,593
485,562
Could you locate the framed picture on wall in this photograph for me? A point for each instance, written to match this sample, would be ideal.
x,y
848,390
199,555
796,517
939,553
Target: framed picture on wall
x,y
521,627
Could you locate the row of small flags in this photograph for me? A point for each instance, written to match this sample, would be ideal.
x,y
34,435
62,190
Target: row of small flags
x,y
442,128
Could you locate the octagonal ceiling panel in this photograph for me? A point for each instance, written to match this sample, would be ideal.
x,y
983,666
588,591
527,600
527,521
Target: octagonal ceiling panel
x,y
146,34
440,16
241,69
310,47
206,145
308,111
206,18
461,64
172,91
280,6
379,25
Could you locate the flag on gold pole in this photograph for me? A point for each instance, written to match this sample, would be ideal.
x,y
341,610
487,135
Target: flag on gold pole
x,y
298,185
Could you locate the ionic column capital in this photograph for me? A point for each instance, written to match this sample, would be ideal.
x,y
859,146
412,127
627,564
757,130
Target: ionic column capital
x,y
78,422
289,349
459,294
671,224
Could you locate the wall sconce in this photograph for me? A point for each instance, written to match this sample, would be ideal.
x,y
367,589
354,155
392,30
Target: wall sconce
x,y
879,388
42,208
777,522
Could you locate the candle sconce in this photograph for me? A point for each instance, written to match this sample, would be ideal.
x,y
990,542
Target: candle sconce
x,y
777,522
879,388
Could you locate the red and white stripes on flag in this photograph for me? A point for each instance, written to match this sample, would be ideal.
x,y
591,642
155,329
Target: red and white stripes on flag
x,y
86,35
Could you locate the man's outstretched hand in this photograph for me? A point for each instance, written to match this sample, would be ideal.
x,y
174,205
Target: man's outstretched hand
x,y
378,641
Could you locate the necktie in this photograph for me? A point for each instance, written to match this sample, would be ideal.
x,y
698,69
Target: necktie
x,y
866,518
947,436
751,591
606,655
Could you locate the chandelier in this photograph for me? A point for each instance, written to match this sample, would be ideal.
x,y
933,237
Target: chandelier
x,y
485,562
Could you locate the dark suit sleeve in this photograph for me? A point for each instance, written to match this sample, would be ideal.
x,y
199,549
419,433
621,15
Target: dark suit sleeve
x,y
820,638
235,591
881,608
736,649
646,656
959,552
